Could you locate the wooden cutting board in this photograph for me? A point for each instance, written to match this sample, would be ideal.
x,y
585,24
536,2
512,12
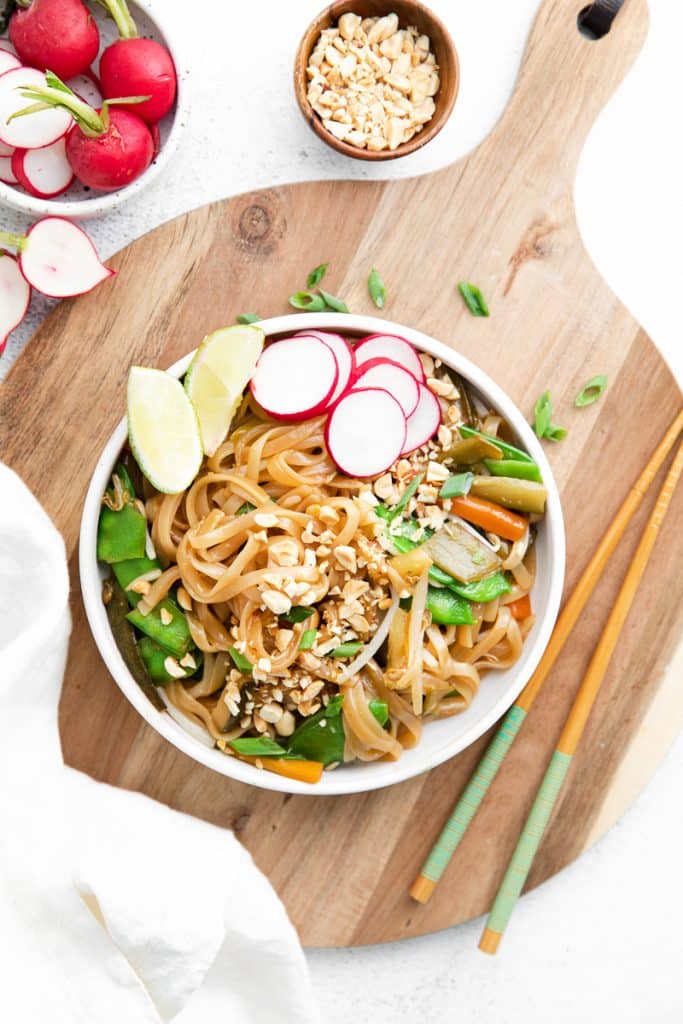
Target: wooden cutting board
x,y
503,218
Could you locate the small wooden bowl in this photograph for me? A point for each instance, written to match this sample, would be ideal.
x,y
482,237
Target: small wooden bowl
x,y
410,12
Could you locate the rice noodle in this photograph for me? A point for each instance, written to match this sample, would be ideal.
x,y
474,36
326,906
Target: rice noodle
x,y
270,525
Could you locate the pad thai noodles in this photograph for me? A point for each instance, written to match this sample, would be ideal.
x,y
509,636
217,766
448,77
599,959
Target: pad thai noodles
x,y
300,618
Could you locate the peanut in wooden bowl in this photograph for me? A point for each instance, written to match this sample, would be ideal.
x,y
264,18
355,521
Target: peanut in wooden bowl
x,y
410,12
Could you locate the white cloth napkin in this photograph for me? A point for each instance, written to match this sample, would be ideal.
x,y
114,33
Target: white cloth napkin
x,y
113,908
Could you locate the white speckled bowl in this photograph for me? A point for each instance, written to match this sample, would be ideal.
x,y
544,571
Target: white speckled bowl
x,y
440,740
80,203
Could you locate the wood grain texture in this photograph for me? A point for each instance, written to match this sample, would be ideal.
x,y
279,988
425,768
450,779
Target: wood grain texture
x,y
502,217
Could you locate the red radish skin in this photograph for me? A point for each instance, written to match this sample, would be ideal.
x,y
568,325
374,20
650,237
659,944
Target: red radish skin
x,y
112,160
58,259
33,130
44,173
7,174
424,422
140,67
390,346
295,378
365,432
391,377
343,353
15,295
59,35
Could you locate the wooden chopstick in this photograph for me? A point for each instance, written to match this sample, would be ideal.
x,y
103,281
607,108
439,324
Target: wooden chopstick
x,y
467,805
548,792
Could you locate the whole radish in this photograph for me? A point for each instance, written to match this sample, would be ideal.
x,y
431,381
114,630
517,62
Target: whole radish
x,y
57,34
107,149
137,67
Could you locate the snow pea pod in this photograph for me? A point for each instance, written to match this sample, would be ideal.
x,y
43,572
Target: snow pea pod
x,y
154,659
321,737
514,468
121,531
483,591
116,607
507,449
174,636
129,570
449,609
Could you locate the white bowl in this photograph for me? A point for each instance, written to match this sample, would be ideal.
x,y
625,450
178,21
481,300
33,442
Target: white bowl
x,y
80,203
440,740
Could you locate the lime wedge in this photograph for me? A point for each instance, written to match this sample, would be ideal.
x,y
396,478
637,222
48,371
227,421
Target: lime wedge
x,y
221,369
163,429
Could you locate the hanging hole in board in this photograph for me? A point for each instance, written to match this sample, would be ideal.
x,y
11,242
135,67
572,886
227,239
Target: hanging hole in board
x,y
595,20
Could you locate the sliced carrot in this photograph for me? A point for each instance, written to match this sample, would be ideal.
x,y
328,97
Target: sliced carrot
x,y
303,771
521,608
490,516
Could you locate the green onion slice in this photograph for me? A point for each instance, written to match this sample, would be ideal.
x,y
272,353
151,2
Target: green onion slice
x,y
591,391
378,292
474,300
307,301
316,275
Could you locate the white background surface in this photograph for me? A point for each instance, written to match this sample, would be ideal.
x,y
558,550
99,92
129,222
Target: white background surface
x,y
601,941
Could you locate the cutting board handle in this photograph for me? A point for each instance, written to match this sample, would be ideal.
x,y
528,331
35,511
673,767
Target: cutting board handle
x,y
564,81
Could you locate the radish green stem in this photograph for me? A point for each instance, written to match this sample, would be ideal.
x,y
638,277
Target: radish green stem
x,y
91,123
118,10
56,94
16,241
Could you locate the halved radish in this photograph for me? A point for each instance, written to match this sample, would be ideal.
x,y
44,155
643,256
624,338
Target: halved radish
x,y
391,377
8,61
15,295
390,346
295,378
58,259
424,422
6,173
35,130
343,353
365,432
87,88
44,172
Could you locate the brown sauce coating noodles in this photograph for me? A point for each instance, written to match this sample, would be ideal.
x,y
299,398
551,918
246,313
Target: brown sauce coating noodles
x,y
270,525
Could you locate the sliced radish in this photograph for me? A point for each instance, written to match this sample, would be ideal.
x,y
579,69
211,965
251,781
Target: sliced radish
x,y
365,432
8,61
33,130
6,45
6,173
390,346
295,378
58,259
6,150
391,377
343,353
15,295
87,88
44,172
424,422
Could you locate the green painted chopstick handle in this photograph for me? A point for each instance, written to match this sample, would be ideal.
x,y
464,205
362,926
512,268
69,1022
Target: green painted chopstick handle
x,y
528,843
473,794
